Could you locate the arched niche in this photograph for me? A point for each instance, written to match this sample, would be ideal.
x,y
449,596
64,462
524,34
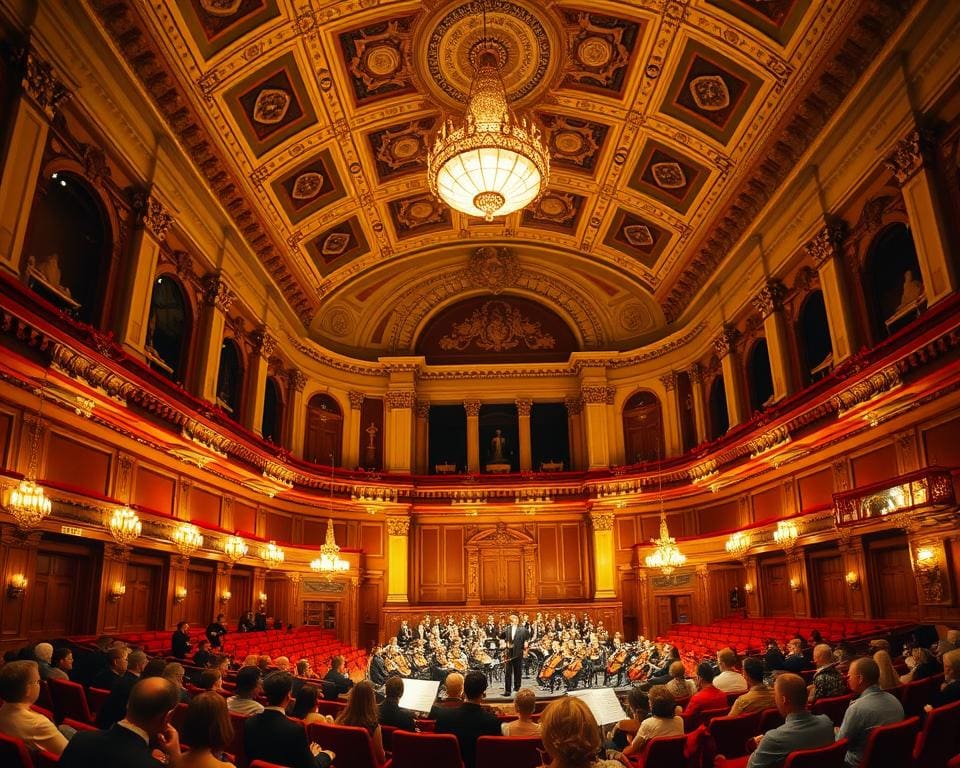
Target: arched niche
x,y
230,378
272,425
759,375
169,328
813,336
501,566
324,430
717,403
643,427
891,280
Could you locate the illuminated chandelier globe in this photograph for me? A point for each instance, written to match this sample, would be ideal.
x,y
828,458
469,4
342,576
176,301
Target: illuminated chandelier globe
x,y
738,544
786,534
272,555
667,556
187,538
494,162
235,548
125,526
329,561
28,504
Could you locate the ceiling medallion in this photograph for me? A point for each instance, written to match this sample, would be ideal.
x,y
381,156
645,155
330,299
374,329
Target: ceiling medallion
x,y
307,186
222,8
668,175
494,268
710,92
638,235
271,106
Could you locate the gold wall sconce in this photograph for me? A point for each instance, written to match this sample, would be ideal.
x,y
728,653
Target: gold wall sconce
x,y
179,595
117,591
795,585
16,586
853,580
225,596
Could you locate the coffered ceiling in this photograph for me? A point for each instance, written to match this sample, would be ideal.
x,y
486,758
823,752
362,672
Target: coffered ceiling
x,y
310,120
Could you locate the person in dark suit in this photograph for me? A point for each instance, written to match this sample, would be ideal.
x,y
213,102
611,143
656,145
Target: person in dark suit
x,y
116,666
390,711
260,622
246,622
113,709
514,640
215,632
470,720
335,675
773,658
181,640
404,635
127,744
273,738
378,667
795,661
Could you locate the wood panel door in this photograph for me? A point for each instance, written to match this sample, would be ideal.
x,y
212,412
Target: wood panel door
x,y
138,605
501,575
56,596
241,595
829,586
197,606
775,583
440,564
664,614
895,592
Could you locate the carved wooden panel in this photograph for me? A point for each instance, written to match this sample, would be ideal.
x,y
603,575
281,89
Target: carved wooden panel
x,y
440,563
197,606
279,604
278,527
241,599
501,575
54,595
828,587
77,464
561,550
138,605
719,518
154,491
816,489
626,532
775,583
370,601
204,507
722,583
894,587
371,539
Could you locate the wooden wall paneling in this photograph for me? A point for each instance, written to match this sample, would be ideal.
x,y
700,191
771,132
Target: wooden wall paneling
x,y
775,584
205,506
428,563
816,489
244,518
77,464
154,490
501,576
371,601
894,588
828,587
941,447
371,539
241,595
650,525
440,562
198,607
874,466
766,504
454,563
278,527
6,439
574,561
721,517
53,595
138,607
629,597
722,583
562,552
278,590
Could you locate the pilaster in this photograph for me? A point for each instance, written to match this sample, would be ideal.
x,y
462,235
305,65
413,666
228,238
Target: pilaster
x,y
523,421
398,445
825,250
422,439
769,303
472,407
574,406
695,372
295,423
604,555
398,568
672,429
596,432
264,345
351,430
217,298
726,347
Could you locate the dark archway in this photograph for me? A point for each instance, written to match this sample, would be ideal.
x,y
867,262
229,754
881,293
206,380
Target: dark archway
x,y
168,329
272,425
719,418
891,281
642,428
759,375
324,432
230,379
813,334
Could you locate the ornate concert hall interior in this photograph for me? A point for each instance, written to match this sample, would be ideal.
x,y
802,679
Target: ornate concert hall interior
x,y
255,358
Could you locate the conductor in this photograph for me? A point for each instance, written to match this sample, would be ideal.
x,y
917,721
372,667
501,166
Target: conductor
x,y
514,641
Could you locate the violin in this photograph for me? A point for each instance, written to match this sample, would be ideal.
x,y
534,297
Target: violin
x,y
419,659
616,661
549,667
458,664
441,657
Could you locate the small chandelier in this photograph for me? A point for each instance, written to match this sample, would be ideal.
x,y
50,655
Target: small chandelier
x,y
494,163
786,534
667,556
738,545
329,561
27,503
124,526
187,539
272,555
235,548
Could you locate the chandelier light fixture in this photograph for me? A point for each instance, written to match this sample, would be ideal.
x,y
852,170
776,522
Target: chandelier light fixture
x,y
27,503
272,555
329,561
187,538
124,526
494,162
666,556
235,548
738,545
786,534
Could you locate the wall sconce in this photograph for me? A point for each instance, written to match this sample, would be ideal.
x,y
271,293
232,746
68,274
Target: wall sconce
x,y
117,591
852,579
262,597
179,595
225,596
17,586
794,585
926,558
748,588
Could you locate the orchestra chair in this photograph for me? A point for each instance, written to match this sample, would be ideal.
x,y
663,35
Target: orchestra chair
x,y
834,707
830,756
662,752
236,746
954,762
178,716
43,711
892,744
730,734
14,753
44,699
940,738
916,695
352,745
95,698
46,759
415,750
516,752
69,700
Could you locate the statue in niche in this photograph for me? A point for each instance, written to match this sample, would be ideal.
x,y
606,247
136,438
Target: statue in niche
x,y
912,290
46,271
498,448
370,451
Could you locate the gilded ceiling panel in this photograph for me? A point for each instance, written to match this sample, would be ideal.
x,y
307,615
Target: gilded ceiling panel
x,y
601,51
670,176
310,186
777,19
215,24
637,236
337,245
573,143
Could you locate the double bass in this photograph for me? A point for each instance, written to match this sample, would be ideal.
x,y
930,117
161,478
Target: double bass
x,y
402,665
638,669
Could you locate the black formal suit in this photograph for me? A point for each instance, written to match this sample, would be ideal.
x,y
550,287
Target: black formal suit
x,y
796,663
773,659
105,679
404,636
215,633
392,714
468,722
339,679
115,707
181,644
378,670
118,747
272,737
515,638
948,694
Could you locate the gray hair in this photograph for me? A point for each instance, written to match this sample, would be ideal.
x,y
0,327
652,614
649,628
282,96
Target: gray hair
x,y
43,652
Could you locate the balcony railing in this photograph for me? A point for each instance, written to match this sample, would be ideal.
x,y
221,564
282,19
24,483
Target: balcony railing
x,y
930,487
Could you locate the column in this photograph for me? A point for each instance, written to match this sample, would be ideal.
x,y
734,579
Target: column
x,y
825,250
217,298
616,450
39,99
295,423
726,347
422,442
351,430
595,426
855,564
604,555
574,406
472,408
769,303
695,372
398,445
645,602
672,430
523,421
398,548
221,584
264,345
913,163
751,585
176,579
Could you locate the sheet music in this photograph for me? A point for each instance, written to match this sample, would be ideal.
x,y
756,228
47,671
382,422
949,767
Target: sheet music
x,y
603,703
419,695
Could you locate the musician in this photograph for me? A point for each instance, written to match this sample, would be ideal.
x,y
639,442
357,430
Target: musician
x,y
377,671
420,662
514,639
550,670
422,631
405,634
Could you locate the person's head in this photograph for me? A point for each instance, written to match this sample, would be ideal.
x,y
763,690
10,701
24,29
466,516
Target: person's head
x,y
677,670
136,661
203,645
951,665
879,644
117,659
182,626
524,702
207,723
303,668
263,661
174,672
863,673
794,646
43,652
393,688
282,663
513,617
753,670
20,682
219,618
454,685
789,693
248,682
277,687
638,701
150,702
953,636
250,660
336,663
306,701
662,702
221,663
62,658
727,659
361,707
210,680
823,655
154,668
569,732
474,685
705,673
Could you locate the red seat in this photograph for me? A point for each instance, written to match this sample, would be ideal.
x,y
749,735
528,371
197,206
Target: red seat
x,y
891,745
236,745
178,717
770,719
264,764
95,698
703,717
386,735
345,740
78,726
954,762
69,700
664,751
516,752
14,753
43,711
333,708
835,707
46,759
415,750
426,726
940,738
730,734
830,756
916,695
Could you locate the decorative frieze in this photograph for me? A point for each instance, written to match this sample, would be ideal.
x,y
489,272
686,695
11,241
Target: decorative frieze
x,y
601,521
401,399
593,395
866,389
772,438
41,84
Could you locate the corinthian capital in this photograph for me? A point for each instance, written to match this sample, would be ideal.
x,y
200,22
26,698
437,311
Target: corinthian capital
x,y
152,214
356,399
216,292
472,407
770,298
826,243
263,343
41,84
402,399
523,406
727,341
910,154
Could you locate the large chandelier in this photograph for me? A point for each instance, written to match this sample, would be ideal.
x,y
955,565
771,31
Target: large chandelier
x,y
738,544
495,162
124,526
786,534
272,555
329,561
27,502
235,548
667,556
187,538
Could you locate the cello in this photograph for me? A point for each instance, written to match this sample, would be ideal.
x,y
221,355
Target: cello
x,y
616,661
573,668
549,668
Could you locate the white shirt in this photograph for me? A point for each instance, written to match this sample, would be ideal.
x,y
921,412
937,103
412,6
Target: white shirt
x,y
37,731
730,682
241,706
136,729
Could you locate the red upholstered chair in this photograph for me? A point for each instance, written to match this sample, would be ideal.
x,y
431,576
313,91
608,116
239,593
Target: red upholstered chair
x,y
333,708
698,750
46,759
69,700
830,756
178,716
344,740
95,698
916,695
954,762
415,750
703,717
940,738
891,745
43,711
662,752
386,734
236,746
78,726
730,734
264,764
14,753
44,699
835,707
516,752
426,726
770,719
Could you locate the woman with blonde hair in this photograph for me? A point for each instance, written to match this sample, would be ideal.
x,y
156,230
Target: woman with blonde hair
x,y
571,736
888,675
362,711
679,685
663,720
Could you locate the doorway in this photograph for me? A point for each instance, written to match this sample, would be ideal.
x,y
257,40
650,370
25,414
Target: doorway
x,y
320,613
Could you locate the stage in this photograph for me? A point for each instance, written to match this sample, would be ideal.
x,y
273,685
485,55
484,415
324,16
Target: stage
x,y
495,695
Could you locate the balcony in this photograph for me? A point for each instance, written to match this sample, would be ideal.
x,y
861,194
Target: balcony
x,y
895,499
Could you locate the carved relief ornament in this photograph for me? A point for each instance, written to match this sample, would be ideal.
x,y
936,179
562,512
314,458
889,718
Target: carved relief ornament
x,y
574,405
601,521
216,292
356,399
423,409
263,343
152,214
41,84
770,298
909,155
523,407
593,395
297,379
398,526
669,381
402,399
826,243
727,341
472,407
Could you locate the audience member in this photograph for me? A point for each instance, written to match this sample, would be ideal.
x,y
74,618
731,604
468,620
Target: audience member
x,y
181,640
61,663
638,707
707,696
154,668
116,666
759,695
729,680
571,736
925,665
524,703
680,685
208,731
950,642
871,708
453,696
663,720
361,712
203,656
43,652
773,658
264,663
305,706
950,690
335,675
282,663
888,674
390,711
377,668
246,622
470,720
19,688
215,632
827,681
210,680
243,702
795,661
879,644
174,672
115,706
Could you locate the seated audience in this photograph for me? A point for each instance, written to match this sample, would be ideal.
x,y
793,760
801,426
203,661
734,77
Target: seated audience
x,y
304,706
638,707
470,720
879,644
795,661
203,657
663,720
274,738
773,658
390,711
759,695
949,643
116,666
215,632
680,685
246,622
113,709
707,696
925,664
210,680
43,653
361,712
729,680
816,638
264,663
453,696
871,708
827,681
174,672
377,667
571,736
335,675
127,744
282,663
181,640
950,690
19,688
61,664
243,702
207,730
154,668
524,703
888,673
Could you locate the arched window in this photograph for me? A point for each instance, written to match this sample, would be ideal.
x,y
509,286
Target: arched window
x,y
168,329
324,433
719,420
642,428
272,412
230,379
67,247
759,376
892,284
813,334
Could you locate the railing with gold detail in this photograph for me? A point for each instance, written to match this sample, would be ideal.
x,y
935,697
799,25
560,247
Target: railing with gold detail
x,y
895,499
